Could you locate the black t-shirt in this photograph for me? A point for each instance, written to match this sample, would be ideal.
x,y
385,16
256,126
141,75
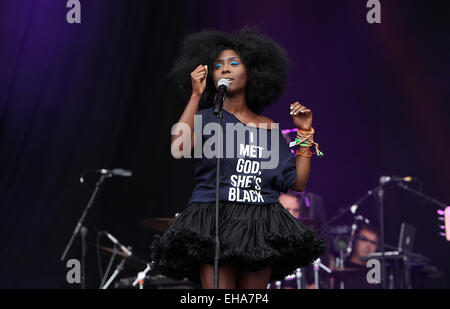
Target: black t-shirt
x,y
256,163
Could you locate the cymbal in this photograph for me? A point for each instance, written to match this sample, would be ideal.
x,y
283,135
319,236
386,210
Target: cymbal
x,y
111,250
134,260
159,224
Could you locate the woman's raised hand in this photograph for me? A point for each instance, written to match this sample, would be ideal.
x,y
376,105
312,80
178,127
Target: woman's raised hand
x,y
302,116
198,79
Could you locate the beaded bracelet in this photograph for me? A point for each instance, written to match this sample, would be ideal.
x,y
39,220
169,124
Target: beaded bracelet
x,y
301,154
305,138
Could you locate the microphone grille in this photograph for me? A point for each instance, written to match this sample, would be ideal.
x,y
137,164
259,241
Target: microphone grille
x,y
384,179
225,82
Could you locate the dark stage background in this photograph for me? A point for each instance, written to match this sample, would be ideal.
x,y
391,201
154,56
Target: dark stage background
x,y
95,95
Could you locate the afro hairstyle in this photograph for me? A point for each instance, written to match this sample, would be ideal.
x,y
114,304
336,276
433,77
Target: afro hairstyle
x,y
267,64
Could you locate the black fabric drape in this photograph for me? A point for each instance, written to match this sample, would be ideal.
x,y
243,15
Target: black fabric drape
x,y
85,96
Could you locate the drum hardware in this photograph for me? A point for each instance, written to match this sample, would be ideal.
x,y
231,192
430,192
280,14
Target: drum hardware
x,y
119,268
110,250
401,254
141,276
378,193
356,218
111,260
127,257
125,250
299,280
156,282
80,228
317,264
344,271
135,262
299,277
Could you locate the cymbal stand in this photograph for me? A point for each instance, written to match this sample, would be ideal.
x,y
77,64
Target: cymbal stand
x,y
317,264
119,268
142,275
111,260
299,278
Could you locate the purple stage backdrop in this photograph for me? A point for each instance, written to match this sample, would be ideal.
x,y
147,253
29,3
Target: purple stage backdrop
x,y
91,95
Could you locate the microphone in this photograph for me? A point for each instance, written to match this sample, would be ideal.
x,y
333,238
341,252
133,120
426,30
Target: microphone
x,y
115,241
386,179
116,172
222,87
110,173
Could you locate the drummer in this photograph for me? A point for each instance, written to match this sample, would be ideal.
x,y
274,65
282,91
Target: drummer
x,y
304,205
291,202
366,242
308,208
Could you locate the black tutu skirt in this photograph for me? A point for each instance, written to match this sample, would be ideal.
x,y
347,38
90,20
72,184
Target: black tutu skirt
x,y
253,236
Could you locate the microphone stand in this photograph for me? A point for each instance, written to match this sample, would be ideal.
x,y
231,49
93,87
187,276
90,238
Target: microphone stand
x,y
80,225
119,268
318,264
420,194
299,278
380,198
430,200
344,211
348,250
83,256
111,260
219,115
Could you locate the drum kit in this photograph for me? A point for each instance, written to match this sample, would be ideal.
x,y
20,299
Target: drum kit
x,y
158,281
298,280
295,281
144,278
315,276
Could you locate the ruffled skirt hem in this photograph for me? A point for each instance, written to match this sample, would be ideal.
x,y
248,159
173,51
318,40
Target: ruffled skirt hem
x,y
253,236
